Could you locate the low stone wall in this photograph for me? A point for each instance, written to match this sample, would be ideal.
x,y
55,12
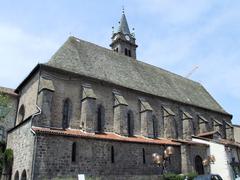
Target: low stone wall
x,y
21,141
93,157
133,177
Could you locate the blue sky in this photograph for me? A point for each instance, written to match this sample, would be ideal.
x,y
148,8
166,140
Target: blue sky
x,y
171,34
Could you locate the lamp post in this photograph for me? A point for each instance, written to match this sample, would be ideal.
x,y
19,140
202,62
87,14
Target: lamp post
x,y
209,160
161,160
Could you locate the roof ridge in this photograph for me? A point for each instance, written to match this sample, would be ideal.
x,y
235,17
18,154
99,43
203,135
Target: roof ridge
x,y
7,90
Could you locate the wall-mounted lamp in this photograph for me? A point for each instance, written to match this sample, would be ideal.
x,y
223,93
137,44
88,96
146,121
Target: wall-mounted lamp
x,y
228,149
161,160
209,160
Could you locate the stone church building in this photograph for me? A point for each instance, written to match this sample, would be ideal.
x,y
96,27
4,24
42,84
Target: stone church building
x,y
101,112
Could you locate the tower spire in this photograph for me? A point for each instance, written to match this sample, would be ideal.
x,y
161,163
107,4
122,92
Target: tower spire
x,y
123,26
123,41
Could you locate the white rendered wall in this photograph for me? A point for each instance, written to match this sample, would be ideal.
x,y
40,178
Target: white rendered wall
x,y
221,165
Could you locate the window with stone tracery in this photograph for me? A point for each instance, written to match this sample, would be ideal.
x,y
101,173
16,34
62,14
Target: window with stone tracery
x,y
66,113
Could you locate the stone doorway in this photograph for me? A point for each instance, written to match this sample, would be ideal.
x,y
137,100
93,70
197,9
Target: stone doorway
x,y
198,165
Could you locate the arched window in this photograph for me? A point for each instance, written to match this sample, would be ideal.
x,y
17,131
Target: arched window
x,y
126,52
130,123
16,176
74,151
129,53
24,175
155,127
198,165
21,113
143,156
66,113
1,133
100,118
112,155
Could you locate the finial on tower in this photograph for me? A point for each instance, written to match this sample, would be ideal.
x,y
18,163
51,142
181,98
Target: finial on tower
x,y
123,11
112,30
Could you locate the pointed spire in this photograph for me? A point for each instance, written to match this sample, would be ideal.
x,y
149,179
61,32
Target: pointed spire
x,y
123,27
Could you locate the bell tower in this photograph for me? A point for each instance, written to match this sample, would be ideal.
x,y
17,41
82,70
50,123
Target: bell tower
x,y
123,42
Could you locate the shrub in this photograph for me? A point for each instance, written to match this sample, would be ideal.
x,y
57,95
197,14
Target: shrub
x,y
191,175
172,176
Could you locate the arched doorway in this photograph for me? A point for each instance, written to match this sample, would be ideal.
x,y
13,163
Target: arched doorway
x,y
16,176
24,175
198,165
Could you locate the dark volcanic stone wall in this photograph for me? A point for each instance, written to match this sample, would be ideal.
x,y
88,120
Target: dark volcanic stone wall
x,y
93,157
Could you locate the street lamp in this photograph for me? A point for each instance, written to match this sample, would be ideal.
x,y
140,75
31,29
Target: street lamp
x,y
209,160
161,160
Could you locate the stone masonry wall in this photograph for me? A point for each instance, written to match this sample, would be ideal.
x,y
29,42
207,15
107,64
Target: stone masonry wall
x,y
70,86
21,141
188,154
200,151
28,97
93,157
8,122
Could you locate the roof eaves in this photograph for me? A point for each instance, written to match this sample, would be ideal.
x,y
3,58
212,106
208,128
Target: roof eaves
x,y
29,76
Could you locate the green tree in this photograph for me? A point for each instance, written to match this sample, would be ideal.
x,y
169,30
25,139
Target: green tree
x,y
4,105
6,162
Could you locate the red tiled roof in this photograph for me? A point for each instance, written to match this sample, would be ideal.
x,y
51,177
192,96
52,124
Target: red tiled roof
x,y
190,142
8,91
105,136
225,142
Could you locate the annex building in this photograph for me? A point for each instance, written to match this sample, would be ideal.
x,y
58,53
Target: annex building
x,y
101,112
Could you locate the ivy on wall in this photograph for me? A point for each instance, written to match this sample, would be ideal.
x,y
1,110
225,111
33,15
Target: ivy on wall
x,y
4,105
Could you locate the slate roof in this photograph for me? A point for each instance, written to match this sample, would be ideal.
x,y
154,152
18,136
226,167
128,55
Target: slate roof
x,y
91,60
123,28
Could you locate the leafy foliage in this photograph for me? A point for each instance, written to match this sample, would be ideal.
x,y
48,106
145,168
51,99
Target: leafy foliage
x,y
4,105
6,161
4,99
8,156
172,176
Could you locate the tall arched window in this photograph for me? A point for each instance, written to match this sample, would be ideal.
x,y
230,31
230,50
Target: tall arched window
x,y
74,151
21,113
143,156
1,133
112,155
130,123
126,52
155,126
24,175
129,53
16,176
66,113
100,118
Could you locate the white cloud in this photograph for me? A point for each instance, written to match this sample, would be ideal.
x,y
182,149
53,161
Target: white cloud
x,y
211,42
175,11
20,52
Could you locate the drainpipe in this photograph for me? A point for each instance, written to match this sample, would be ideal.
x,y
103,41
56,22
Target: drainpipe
x,y
34,115
35,141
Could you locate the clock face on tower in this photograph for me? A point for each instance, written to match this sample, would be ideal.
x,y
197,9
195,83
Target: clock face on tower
x,y
127,37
